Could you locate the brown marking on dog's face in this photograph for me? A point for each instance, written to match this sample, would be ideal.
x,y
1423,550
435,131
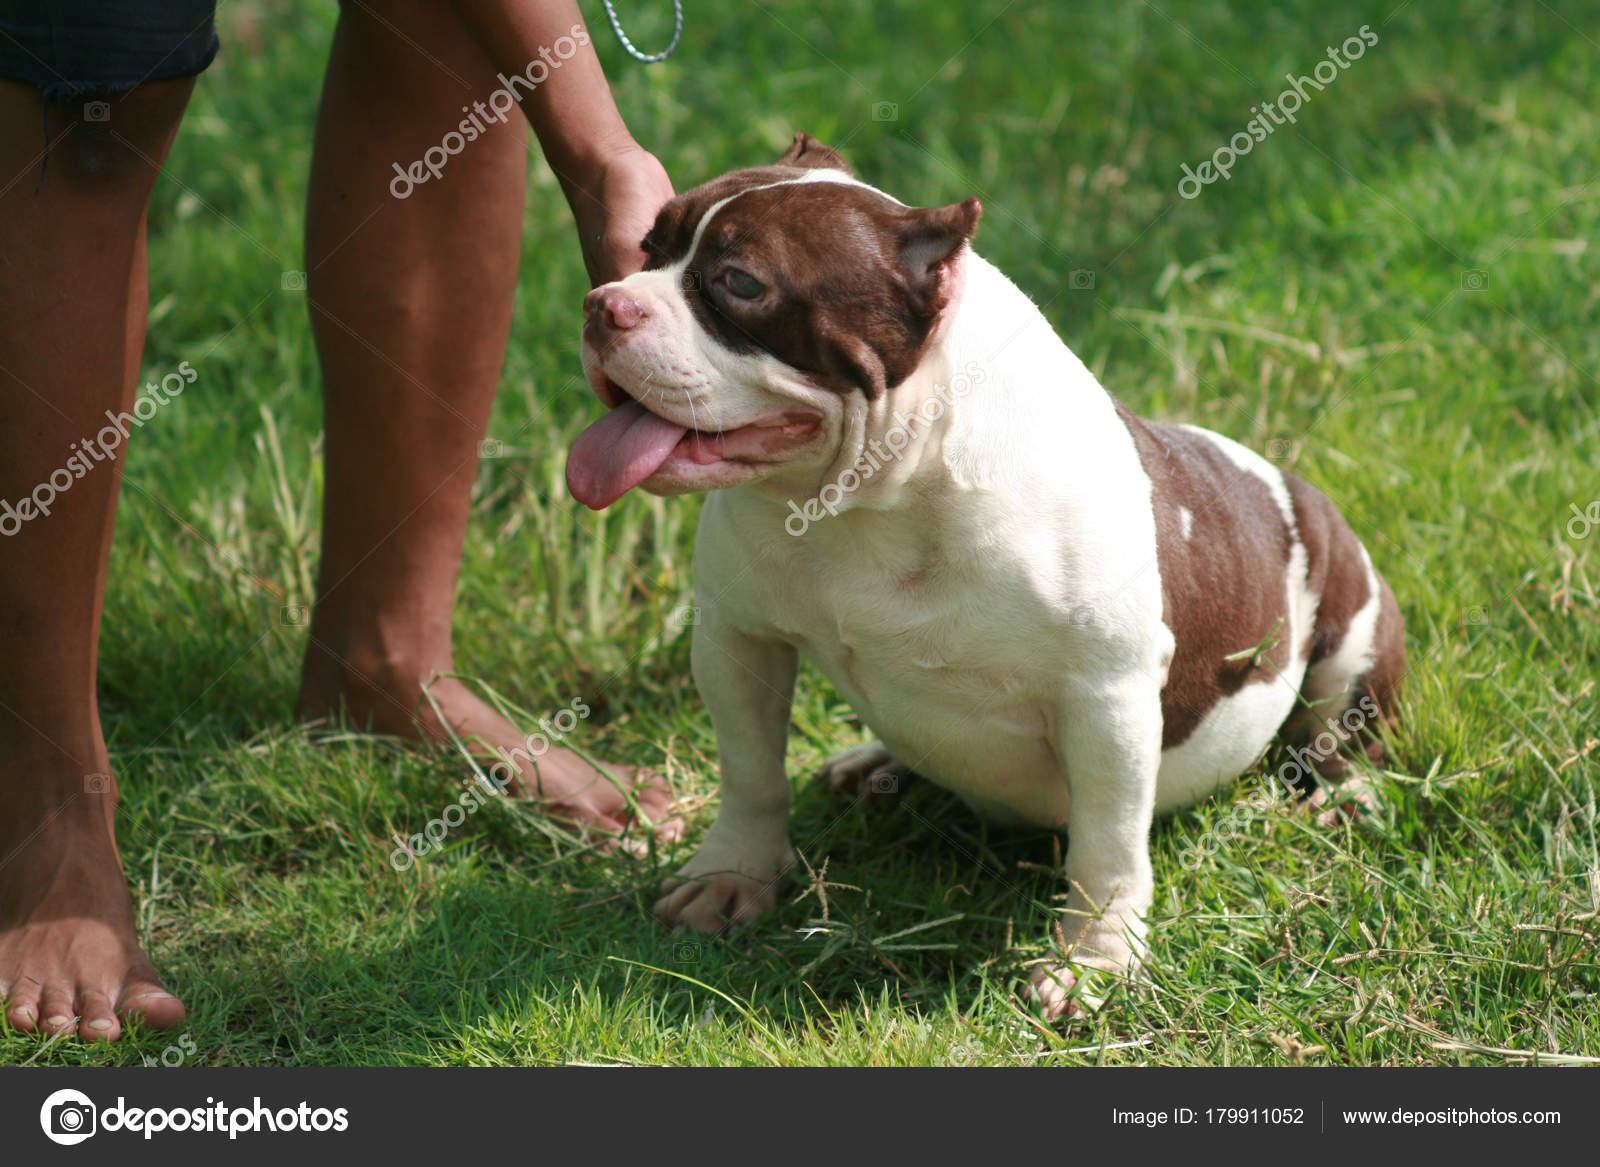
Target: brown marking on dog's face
x,y
833,279
1214,609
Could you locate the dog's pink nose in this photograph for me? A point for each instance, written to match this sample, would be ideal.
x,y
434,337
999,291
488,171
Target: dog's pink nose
x,y
612,309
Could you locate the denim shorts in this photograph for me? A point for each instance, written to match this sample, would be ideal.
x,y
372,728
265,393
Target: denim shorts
x,y
73,49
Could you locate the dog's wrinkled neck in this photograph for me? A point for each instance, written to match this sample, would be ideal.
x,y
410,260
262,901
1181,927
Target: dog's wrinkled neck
x,y
890,446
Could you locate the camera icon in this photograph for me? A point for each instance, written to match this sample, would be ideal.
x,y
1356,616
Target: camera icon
x,y
686,617
686,952
1279,448
294,281
884,783
97,783
1081,616
691,280
1474,280
68,1117
294,615
1476,615
96,111
73,1118
885,111
1081,280
491,448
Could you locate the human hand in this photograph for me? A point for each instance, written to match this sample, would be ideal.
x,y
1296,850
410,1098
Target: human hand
x,y
614,208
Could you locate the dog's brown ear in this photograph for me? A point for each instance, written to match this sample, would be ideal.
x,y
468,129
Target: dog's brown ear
x,y
930,238
810,154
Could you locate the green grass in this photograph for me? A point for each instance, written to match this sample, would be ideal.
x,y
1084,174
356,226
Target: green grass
x,y
1315,306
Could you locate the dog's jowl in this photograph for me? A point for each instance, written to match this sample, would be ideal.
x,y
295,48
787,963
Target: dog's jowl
x,y
1065,614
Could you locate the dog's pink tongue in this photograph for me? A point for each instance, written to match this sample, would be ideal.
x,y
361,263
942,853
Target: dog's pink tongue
x,y
618,452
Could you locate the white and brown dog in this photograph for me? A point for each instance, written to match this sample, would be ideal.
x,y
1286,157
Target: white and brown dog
x,y
1064,614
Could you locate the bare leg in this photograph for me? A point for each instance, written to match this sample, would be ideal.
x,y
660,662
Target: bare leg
x,y
411,307
73,302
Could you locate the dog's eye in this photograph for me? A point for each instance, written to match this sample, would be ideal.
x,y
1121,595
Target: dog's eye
x,y
743,285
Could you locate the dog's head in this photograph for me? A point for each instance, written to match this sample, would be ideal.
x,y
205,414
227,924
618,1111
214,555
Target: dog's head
x,y
775,302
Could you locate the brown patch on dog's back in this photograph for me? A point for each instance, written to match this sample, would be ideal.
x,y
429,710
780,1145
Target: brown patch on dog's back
x,y
1335,568
1382,682
1337,573
1222,586
1339,564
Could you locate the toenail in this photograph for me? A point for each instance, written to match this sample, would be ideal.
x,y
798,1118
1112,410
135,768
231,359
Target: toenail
x,y
100,1023
57,1020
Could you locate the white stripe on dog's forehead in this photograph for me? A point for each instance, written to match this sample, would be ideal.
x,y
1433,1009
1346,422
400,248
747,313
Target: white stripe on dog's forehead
x,y
834,176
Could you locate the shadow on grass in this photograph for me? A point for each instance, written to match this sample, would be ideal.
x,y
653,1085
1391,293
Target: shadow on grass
x,y
926,902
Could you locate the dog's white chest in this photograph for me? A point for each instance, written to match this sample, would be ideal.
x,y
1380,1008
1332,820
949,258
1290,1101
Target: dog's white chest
x,y
940,656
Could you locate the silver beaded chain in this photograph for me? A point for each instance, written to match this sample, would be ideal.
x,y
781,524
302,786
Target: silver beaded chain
x,y
648,58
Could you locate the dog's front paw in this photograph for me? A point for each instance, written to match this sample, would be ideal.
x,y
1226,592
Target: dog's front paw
x,y
1099,959
867,769
1070,990
709,895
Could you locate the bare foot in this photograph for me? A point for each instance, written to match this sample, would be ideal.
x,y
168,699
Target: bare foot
x,y
69,954
569,787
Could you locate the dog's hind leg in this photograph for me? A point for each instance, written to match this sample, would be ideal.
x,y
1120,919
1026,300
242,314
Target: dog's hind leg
x,y
866,769
1356,662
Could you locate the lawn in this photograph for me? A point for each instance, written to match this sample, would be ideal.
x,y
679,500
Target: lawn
x,y
1395,296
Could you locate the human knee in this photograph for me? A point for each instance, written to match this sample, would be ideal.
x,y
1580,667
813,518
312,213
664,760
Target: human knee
x,y
113,147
